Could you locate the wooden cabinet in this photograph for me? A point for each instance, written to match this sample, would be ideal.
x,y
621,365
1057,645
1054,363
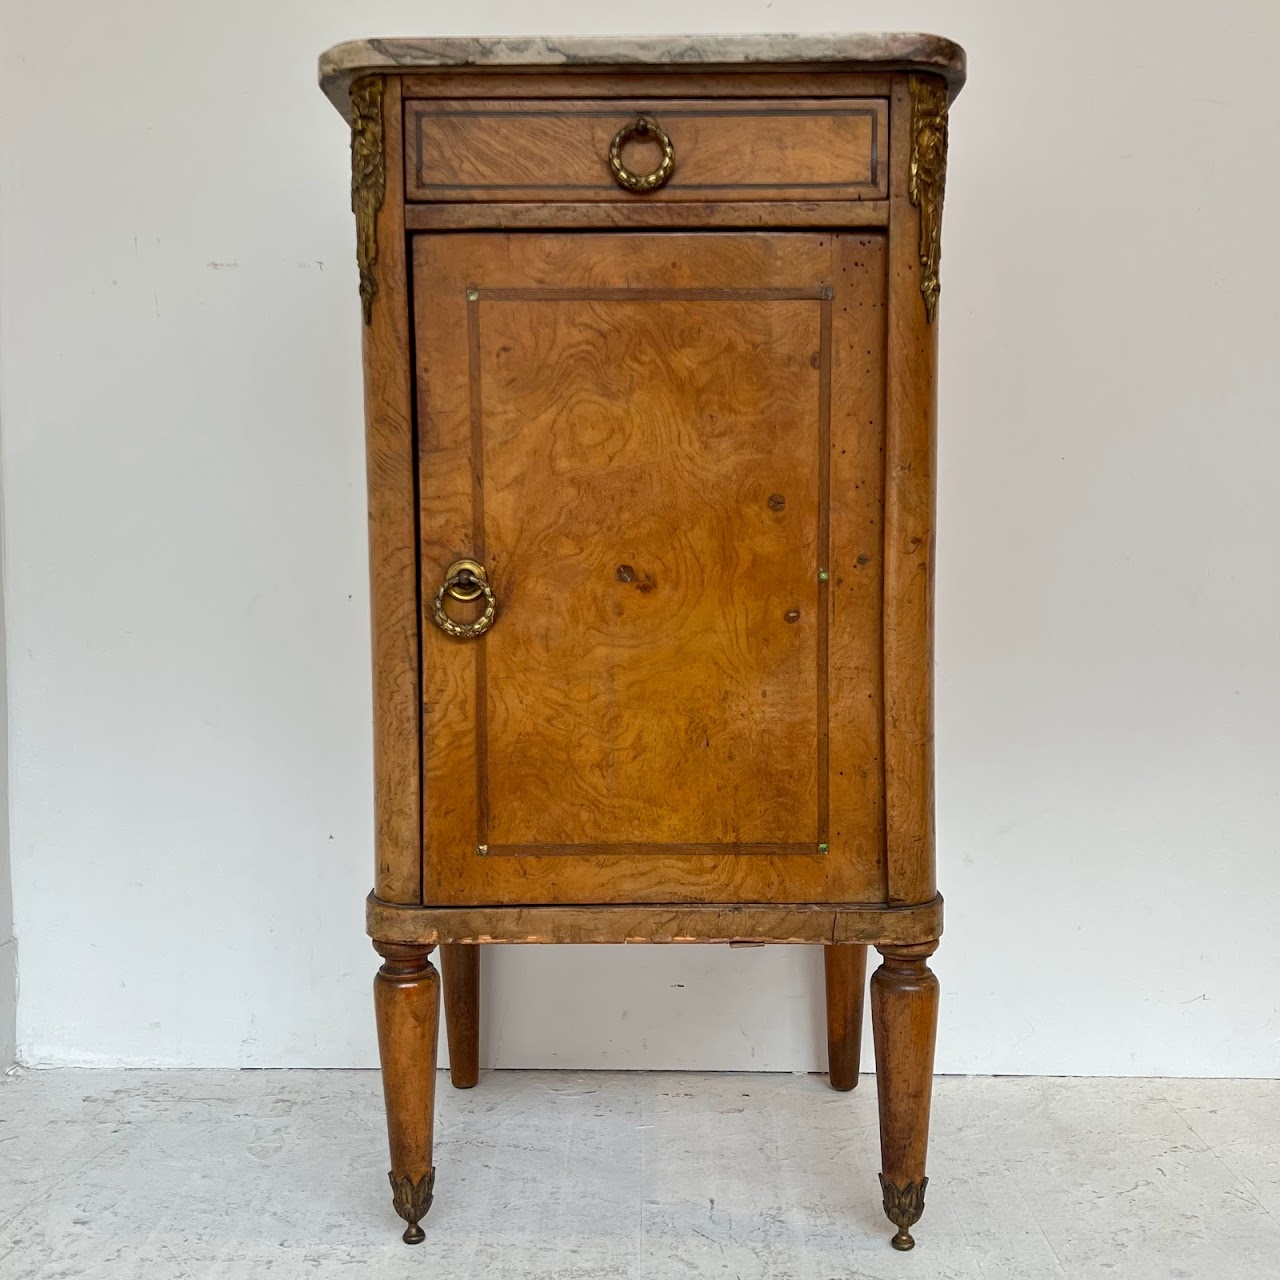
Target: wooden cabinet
x,y
649,363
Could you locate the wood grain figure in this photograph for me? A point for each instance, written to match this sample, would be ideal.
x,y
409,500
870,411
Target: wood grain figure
x,y
767,149
389,451
637,435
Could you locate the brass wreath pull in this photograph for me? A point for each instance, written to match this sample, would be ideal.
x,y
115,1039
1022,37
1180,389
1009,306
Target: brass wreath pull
x,y
465,580
641,127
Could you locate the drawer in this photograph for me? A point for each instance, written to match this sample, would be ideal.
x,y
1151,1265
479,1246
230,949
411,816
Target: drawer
x,y
765,149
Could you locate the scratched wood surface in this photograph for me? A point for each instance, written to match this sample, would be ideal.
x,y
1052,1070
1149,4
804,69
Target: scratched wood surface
x,y
637,435
639,215
660,923
766,149
910,504
691,81
393,598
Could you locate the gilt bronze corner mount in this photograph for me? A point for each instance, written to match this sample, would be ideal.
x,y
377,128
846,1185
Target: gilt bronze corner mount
x,y
368,181
927,177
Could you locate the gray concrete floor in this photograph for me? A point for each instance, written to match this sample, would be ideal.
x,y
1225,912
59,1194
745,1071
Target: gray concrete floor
x,y
586,1176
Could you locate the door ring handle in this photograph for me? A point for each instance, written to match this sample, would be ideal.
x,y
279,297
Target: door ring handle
x,y
465,580
641,127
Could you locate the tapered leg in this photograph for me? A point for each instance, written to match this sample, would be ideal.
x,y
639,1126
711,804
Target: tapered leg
x,y
904,1020
846,967
406,999
460,964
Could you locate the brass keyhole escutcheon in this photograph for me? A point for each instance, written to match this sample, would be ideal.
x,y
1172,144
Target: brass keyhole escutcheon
x,y
641,127
465,580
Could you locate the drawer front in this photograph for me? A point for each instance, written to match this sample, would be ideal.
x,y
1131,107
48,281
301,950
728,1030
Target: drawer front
x,y
797,149
666,451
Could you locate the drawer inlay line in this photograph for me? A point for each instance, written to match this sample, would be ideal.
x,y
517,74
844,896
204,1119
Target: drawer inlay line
x,y
649,849
421,110
822,294
478,553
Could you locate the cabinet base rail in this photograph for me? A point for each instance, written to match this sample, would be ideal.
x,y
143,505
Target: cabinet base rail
x,y
811,923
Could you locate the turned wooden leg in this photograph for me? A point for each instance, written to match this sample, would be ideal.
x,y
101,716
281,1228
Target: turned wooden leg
x,y
846,967
406,999
460,964
904,1020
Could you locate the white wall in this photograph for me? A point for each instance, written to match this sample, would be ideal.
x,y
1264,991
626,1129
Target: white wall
x,y
8,947
185,559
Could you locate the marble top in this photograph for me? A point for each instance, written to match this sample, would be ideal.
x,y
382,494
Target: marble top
x,y
890,51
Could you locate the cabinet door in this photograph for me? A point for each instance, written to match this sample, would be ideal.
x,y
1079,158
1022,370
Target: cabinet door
x,y
666,450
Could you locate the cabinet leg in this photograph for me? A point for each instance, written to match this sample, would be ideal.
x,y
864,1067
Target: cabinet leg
x,y
406,1000
846,971
904,1020
460,965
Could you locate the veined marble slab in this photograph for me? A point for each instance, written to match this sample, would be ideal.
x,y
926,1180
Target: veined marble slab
x,y
886,51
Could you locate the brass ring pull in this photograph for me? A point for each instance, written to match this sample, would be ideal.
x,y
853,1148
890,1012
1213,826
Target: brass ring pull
x,y
465,580
641,127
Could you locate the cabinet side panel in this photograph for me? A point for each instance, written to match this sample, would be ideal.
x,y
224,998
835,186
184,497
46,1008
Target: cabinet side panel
x,y
908,536
857,562
392,540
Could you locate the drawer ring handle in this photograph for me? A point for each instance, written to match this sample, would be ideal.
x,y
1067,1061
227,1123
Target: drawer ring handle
x,y
641,127
465,580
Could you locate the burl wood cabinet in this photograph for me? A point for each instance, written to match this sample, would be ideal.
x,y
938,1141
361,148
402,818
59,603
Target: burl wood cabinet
x,y
649,350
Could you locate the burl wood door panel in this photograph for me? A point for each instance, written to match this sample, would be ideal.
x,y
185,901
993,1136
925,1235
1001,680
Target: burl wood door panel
x,y
667,450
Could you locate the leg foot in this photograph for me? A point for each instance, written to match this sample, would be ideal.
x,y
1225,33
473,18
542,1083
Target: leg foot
x,y
903,1207
411,1201
904,1019
406,999
846,973
460,963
